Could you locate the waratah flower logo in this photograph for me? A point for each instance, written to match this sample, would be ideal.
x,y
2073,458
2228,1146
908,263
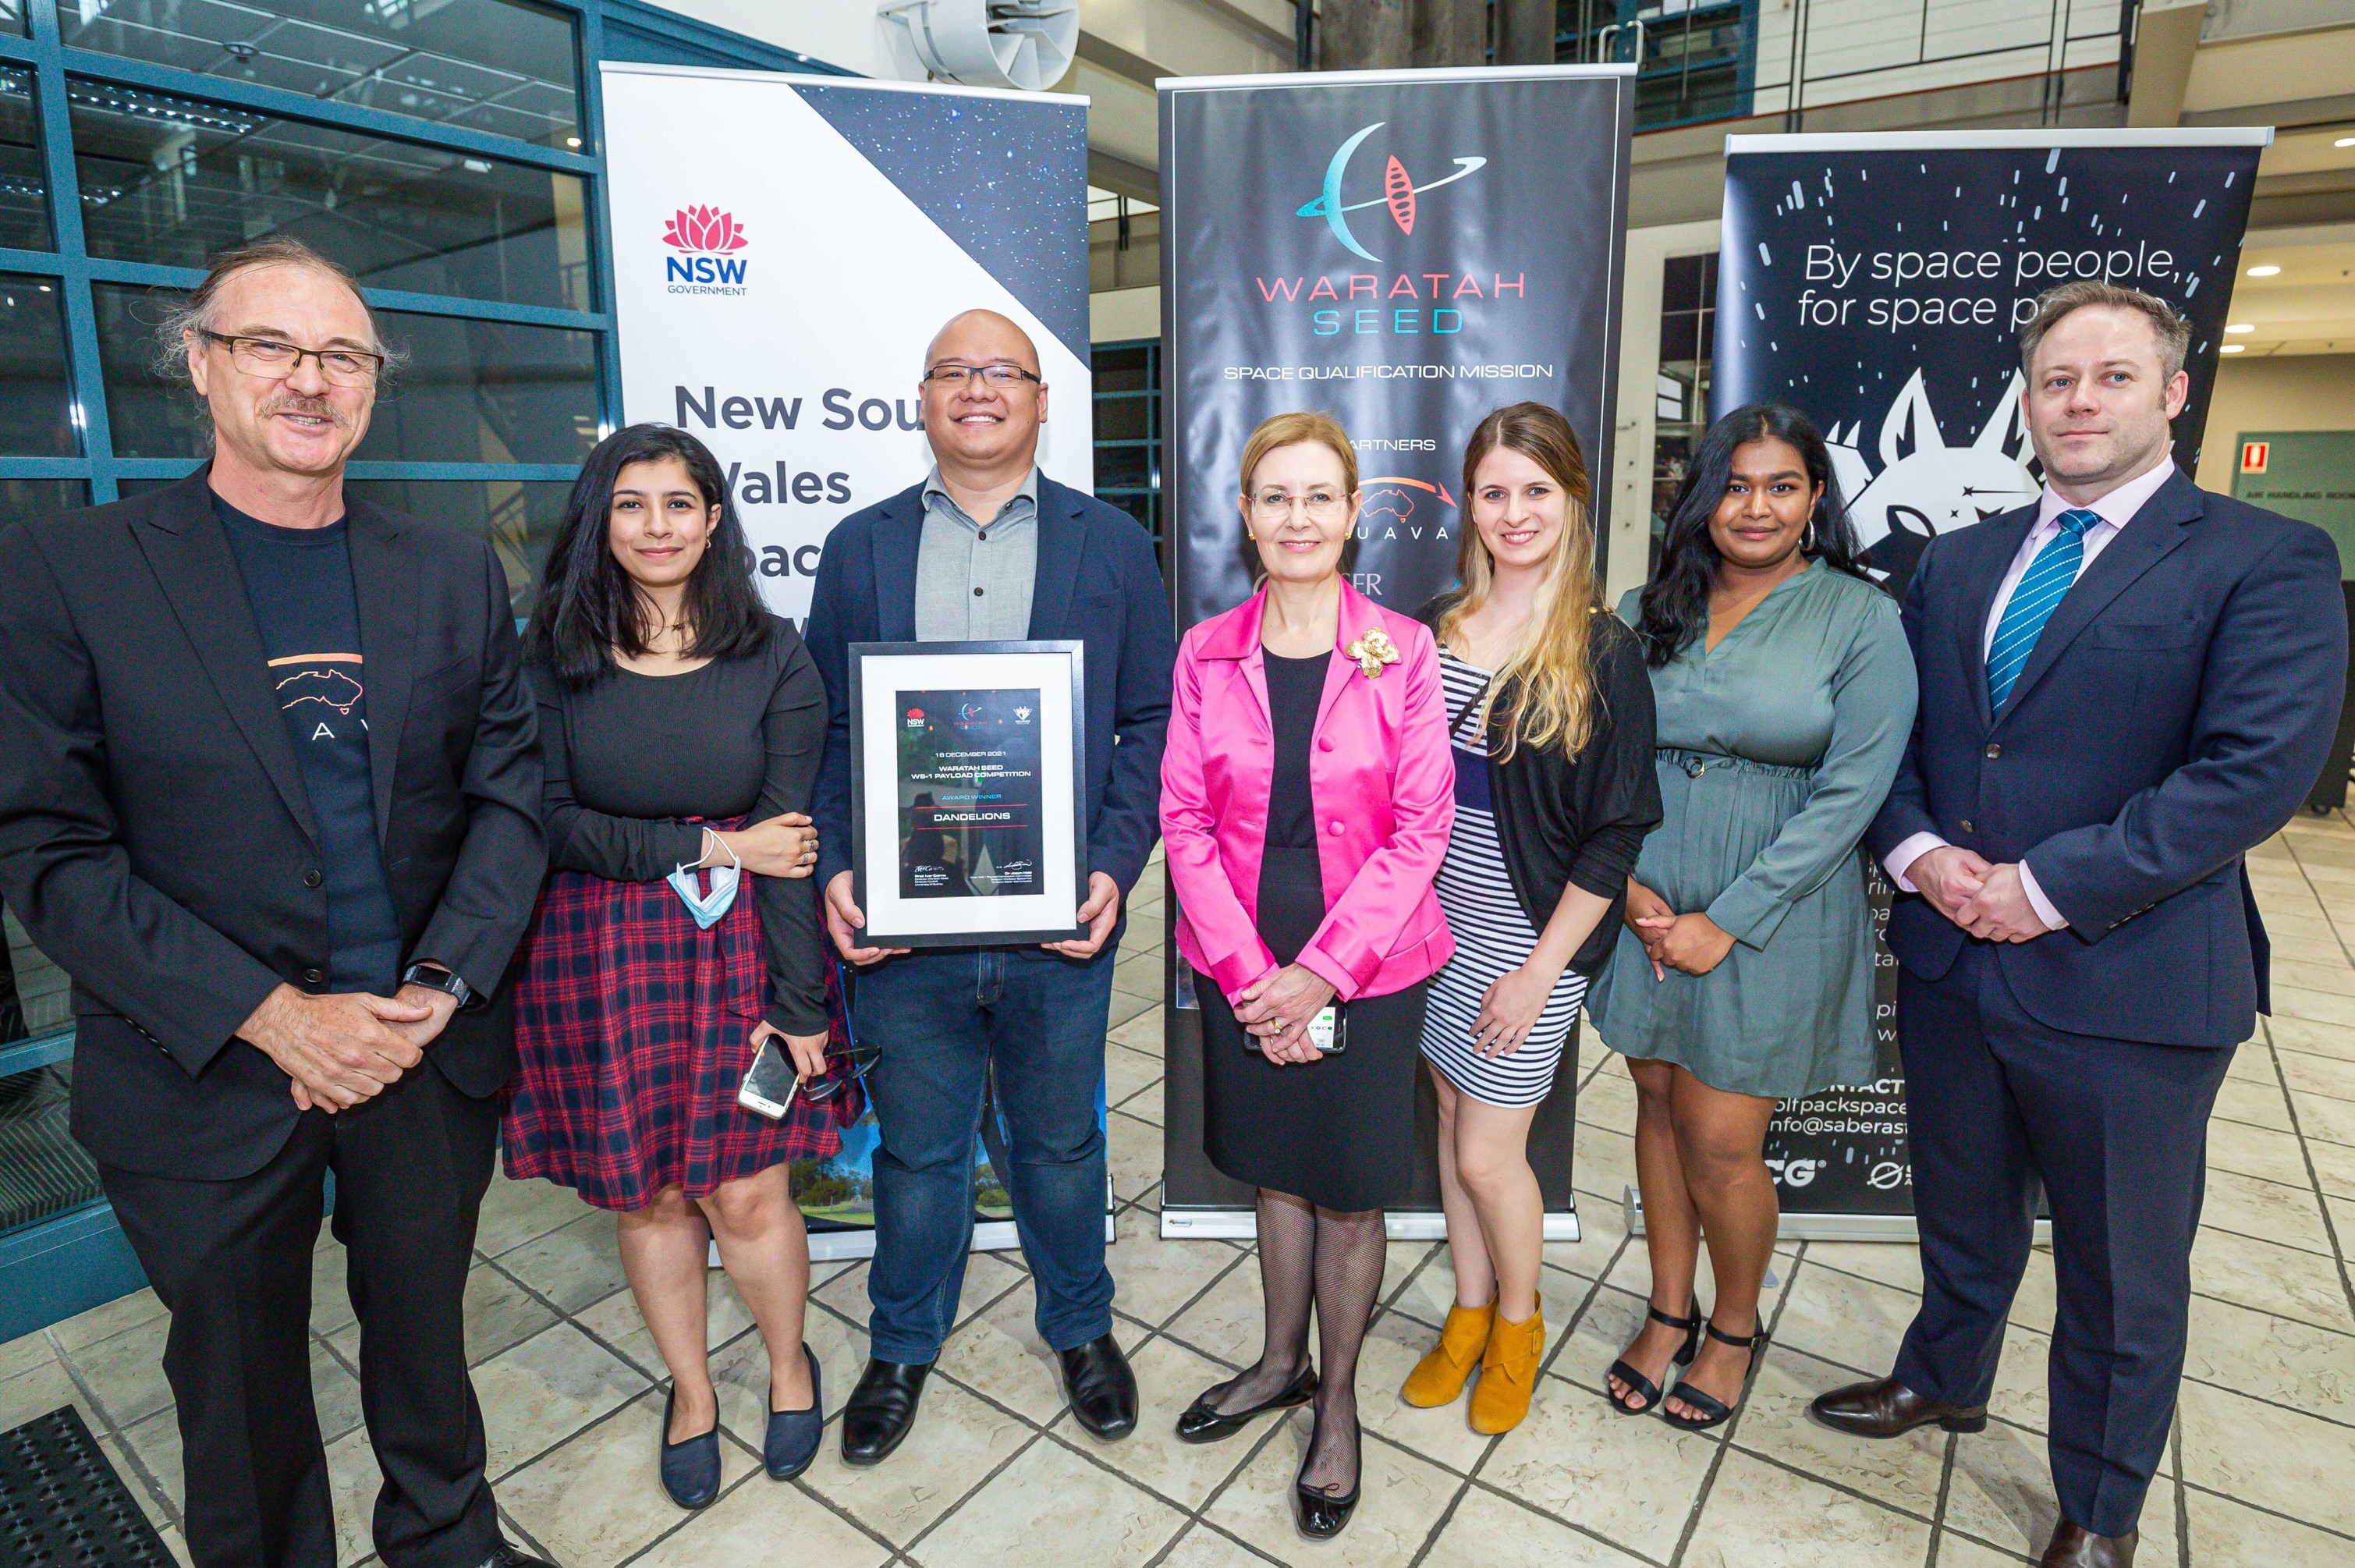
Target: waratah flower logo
x,y
705,230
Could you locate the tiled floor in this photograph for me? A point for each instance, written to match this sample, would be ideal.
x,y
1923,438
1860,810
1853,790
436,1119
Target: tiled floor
x,y
2261,1469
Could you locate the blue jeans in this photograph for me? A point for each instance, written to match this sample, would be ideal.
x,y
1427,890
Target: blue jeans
x,y
947,1023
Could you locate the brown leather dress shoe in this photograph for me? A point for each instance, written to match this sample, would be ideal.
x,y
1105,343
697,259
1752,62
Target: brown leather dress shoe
x,y
2073,1547
1887,1408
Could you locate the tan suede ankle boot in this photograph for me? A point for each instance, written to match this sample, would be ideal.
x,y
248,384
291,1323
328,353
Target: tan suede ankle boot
x,y
1439,1377
1509,1374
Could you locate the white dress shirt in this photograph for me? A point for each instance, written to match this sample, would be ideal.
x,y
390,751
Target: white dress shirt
x,y
2116,510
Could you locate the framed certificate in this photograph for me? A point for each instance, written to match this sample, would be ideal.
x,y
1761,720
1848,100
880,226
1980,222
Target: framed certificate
x,y
965,762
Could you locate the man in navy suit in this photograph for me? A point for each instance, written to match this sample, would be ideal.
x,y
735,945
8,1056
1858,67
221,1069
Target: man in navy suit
x,y
988,549
2124,688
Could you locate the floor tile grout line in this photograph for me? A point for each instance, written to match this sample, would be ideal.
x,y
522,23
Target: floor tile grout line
x,y
1742,1400
2182,1506
1037,1435
2238,1500
2330,1226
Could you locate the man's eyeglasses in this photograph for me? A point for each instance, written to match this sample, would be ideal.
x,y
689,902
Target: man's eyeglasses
x,y
1001,378
275,361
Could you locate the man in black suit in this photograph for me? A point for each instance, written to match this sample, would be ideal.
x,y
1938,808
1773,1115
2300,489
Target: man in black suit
x,y
989,549
270,793
2124,688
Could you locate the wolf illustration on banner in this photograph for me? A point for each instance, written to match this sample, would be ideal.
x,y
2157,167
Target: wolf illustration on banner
x,y
1925,487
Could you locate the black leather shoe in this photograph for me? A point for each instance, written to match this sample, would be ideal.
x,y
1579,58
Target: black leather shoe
x,y
1203,1424
1887,1408
2073,1546
1320,1515
883,1409
507,1556
1101,1388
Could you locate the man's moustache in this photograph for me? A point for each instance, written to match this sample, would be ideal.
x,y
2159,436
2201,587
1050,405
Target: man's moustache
x,y
315,407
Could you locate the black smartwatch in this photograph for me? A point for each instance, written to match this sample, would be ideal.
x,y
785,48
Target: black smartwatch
x,y
439,979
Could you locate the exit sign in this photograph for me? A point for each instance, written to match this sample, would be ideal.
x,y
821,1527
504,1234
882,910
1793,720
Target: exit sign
x,y
2254,454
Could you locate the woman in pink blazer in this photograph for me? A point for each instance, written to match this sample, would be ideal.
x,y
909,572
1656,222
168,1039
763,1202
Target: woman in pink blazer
x,y
1306,795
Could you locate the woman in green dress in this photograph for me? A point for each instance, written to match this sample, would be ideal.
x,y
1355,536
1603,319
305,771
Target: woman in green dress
x,y
1744,975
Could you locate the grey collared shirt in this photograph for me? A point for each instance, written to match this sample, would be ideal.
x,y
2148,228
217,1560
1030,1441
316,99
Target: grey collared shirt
x,y
974,579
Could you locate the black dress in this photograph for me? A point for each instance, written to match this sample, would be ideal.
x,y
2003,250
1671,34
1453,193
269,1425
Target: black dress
x,y
1338,1132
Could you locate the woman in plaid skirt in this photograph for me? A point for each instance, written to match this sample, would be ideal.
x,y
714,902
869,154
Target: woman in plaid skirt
x,y
682,725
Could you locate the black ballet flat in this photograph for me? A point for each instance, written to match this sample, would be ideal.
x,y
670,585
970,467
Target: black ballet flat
x,y
1714,1411
1203,1423
1320,1515
1637,1383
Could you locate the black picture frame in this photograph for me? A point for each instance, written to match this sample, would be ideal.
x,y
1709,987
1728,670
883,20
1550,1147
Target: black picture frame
x,y
881,933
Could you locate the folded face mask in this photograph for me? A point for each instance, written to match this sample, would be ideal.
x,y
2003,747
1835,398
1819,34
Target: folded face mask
x,y
707,907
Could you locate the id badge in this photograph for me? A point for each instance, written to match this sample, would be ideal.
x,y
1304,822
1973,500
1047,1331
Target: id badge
x,y
1324,1031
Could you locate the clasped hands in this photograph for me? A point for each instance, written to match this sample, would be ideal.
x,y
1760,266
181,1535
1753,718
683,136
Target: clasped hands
x,y
1275,1010
338,1051
1690,944
1990,901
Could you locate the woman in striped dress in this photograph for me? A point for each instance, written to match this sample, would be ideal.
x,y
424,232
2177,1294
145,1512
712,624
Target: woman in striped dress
x,y
1550,710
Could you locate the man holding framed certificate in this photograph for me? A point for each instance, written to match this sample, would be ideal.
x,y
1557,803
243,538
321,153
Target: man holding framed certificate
x,y
996,651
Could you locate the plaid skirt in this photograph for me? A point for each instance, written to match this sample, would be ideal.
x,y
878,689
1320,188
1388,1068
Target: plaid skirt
x,y
635,1028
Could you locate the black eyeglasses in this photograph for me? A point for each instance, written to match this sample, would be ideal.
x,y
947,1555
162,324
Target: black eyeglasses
x,y
1002,377
275,361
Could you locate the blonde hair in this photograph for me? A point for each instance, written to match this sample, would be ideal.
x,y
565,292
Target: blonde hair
x,y
1292,429
1543,691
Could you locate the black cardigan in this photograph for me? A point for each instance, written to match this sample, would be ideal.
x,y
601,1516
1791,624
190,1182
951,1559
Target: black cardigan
x,y
1581,819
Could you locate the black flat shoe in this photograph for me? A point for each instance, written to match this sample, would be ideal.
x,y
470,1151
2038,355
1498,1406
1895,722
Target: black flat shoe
x,y
1714,1411
1202,1423
1637,1383
506,1556
690,1469
1320,1515
881,1411
794,1436
1101,1388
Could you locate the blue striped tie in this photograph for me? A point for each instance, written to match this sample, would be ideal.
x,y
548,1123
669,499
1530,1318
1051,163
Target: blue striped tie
x,y
2039,593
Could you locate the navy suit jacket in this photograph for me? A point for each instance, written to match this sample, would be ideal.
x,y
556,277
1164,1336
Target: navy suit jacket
x,y
1097,582
2176,710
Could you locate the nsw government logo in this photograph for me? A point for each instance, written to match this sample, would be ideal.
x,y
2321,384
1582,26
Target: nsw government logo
x,y
708,241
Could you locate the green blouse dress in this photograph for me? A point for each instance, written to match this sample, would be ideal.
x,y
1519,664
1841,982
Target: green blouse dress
x,y
1775,751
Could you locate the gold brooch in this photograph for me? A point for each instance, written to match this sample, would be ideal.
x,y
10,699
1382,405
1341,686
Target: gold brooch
x,y
1372,650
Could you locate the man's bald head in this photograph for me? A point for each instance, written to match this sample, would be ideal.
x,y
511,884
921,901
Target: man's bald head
x,y
982,337
983,434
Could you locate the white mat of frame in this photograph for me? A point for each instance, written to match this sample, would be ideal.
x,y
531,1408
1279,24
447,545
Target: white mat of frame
x,y
1829,1227
1242,1225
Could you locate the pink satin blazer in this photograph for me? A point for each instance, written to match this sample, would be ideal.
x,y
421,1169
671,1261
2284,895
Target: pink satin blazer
x,y
1380,775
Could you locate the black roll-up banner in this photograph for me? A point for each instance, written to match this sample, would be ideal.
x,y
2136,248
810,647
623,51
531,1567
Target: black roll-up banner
x,y
1406,252
1880,283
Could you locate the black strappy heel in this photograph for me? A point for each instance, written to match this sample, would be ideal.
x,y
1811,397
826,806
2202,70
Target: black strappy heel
x,y
1715,1412
1637,1383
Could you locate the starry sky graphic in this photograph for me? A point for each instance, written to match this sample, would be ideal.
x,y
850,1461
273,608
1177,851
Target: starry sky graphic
x,y
1006,178
2192,202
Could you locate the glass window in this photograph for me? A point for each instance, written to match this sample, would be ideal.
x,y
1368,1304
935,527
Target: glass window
x,y
519,516
22,500
488,64
11,16
36,401
45,1172
34,997
474,392
174,181
23,184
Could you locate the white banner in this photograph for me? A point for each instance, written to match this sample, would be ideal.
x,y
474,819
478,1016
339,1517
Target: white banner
x,y
785,247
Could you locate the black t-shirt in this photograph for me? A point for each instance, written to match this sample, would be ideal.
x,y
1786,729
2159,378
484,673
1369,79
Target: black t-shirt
x,y
1295,687
299,582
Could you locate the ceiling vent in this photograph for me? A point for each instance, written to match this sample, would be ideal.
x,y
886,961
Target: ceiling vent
x,y
1024,43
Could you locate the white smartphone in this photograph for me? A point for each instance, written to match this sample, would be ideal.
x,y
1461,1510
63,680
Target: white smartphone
x,y
1324,1031
771,1082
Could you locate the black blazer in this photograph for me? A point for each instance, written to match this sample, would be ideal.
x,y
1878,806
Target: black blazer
x,y
1096,582
1562,819
155,838
2176,710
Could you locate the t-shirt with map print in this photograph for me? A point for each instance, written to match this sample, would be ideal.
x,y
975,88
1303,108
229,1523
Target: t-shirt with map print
x,y
299,582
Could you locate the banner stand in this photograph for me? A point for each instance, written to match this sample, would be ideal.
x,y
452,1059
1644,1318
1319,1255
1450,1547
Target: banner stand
x,y
1242,1225
1803,1227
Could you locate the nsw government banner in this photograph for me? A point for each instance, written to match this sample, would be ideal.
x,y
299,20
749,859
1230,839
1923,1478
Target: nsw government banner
x,y
784,248
1406,252
1880,281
